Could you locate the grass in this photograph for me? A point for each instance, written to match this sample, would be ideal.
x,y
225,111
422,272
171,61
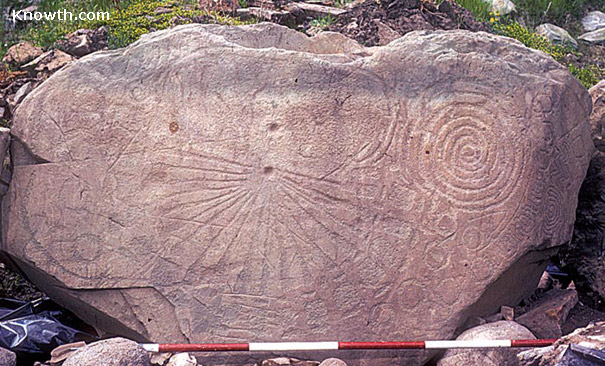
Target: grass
x,y
535,12
588,75
128,20
480,8
322,22
341,3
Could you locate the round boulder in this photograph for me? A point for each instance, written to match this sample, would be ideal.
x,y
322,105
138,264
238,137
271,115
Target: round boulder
x,y
504,329
110,352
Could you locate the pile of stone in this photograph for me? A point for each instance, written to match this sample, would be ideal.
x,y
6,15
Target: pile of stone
x,y
30,65
593,24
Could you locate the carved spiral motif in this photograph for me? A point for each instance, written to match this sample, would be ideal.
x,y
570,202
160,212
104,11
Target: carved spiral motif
x,y
465,150
554,219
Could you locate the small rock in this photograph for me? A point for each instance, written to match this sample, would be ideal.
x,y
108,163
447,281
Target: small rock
x,y
386,34
275,16
316,11
22,92
159,359
63,352
280,361
84,41
492,357
303,363
597,117
182,359
546,282
502,6
332,362
594,37
547,315
507,312
162,10
48,62
5,135
7,358
110,352
556,34
21,53
593,21
592,336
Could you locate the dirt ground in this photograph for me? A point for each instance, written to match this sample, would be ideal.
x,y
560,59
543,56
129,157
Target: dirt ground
x,y
364,20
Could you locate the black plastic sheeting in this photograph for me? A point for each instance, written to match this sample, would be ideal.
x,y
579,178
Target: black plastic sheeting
x,y
35,327
581,356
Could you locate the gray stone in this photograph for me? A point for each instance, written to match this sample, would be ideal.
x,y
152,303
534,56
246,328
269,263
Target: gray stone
x,y
594,37
546,317
315,10
182,359
593,21
224,184
49,62
333,362
110,352
493,357
162,10
592,336
84,41
159,359
22,92
7,358
556,35
21,53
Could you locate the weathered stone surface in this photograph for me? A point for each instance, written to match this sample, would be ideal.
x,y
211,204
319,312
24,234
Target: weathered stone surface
x,y
7,357
584,257
494,357
333,362
592,336
545,319
556,34
109,352
299,189
49,62
21,53
84,41
594,37
182,359
593,21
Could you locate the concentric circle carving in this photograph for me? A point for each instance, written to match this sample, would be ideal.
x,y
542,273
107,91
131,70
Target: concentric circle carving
x,y
465,150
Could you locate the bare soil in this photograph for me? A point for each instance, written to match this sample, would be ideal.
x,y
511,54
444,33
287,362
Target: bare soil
x,y
362,21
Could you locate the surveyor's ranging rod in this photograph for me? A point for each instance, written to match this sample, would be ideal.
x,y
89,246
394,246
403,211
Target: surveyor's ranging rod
x,y
322,346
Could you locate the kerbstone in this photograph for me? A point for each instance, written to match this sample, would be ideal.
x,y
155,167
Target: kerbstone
x,y
221,184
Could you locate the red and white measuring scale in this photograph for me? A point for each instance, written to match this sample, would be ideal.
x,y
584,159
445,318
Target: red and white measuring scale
x,y
324,346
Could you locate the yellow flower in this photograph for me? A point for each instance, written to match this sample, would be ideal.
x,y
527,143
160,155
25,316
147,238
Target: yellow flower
x,y
492,20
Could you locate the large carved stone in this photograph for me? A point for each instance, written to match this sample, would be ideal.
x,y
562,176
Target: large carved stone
x,y
215,184
584,257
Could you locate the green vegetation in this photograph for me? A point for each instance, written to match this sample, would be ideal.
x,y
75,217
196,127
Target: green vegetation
x,y
322,22
479,8
535,12
530,39
588,75
341,3
127,24
128,20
